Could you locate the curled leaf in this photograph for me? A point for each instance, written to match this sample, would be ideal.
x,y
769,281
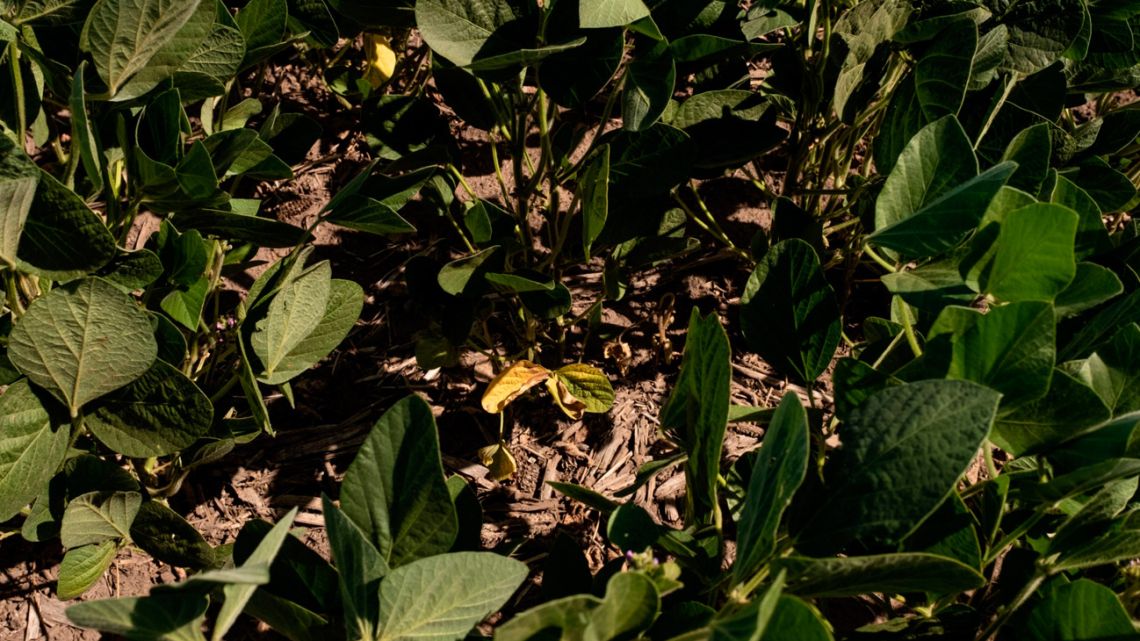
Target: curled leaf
x,y
588,384
511,383
571,405
499,460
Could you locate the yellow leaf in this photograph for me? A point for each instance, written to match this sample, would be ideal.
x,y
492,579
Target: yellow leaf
x,y
512,382
499,460
381,59
567,402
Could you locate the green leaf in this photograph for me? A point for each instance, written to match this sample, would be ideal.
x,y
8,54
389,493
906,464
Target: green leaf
x,y
1078,610
169,538
99,516
294,313
889,573
630,606
252,229
18,181
238,594
951,531
1110,189
585,496
1091,286
860,33
788,311
1010,348
1094,518
1092,237
62,239
173,617
159,413
217,58
170,56
941,224
630,527
81,567
598,14
1067,409
185,304
521,282
938,158
795,620
123,35
1039,33
47,11
262,24
943,71
132,270
527,56
83,340
1034,259
587,384
778,471
370,215
648,163
32,447
395,489
593,191
359,570
1084,479
569,614
346,300
456,276
1031,149
903,450
440,598
696,413
459,30
931,286
649,84
1114,371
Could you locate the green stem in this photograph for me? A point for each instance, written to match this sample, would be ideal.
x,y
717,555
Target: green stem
x,y
878,259
718,235
12,293
911,338
988,455
1022,597
18,85
1010,83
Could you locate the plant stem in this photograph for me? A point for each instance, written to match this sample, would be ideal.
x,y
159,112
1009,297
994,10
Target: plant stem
x,y
715,233
12,293
18,85
993,114
878,259
911,338
1018,601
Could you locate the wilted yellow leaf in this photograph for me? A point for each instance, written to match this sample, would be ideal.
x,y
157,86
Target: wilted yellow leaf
x,y
381,59
511,382
499,460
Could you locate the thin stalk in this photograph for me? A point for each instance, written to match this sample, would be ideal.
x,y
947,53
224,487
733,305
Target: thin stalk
x,y
879,259
1010,82
911,338
13,295
988,455
18,85
718,235
1022,597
